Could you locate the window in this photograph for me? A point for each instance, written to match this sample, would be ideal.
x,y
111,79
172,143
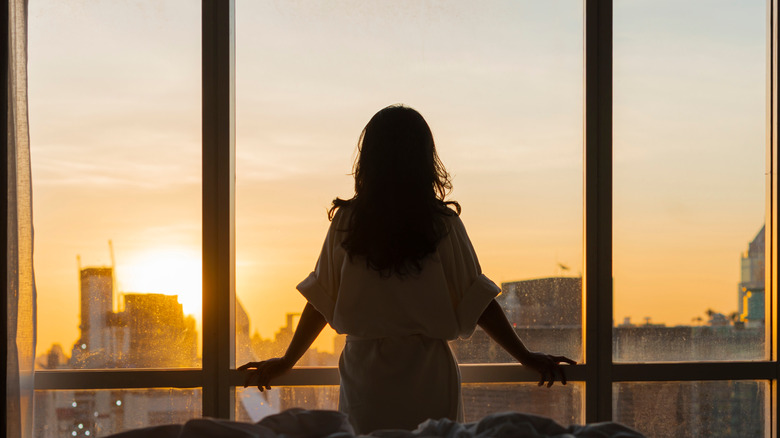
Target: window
x,y
689,181
614,379
491,93
117,177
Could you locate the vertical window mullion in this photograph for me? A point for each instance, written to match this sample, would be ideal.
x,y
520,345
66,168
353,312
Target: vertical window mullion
x,y
218,70
4,188
771,249
597,281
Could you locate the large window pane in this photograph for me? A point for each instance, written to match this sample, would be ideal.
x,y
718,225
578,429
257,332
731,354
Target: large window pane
x,y
253,405
561,403
96,413
693,409
115,129
546,313
500,84
689,176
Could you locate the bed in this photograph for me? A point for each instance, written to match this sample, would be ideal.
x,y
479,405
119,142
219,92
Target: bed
x,y
302,423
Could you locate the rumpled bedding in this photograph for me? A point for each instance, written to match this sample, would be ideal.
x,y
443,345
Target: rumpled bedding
x,y
301,423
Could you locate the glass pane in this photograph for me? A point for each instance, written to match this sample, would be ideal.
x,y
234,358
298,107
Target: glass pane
x,y
693,409
500,84
561,403
689,180
546,314
115,128
253,405
97,413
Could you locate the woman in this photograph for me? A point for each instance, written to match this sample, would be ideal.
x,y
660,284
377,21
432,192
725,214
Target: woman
x,y
398,275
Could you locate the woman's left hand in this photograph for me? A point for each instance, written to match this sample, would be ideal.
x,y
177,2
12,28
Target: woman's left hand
x,y
265,371
548,366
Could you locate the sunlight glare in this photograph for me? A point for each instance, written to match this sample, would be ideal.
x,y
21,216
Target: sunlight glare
x,y
170,271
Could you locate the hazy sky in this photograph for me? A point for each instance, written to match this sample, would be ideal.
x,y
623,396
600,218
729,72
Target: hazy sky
x,y
115,130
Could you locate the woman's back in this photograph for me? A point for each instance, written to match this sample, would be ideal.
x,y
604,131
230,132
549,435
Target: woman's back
x,y
396,368
442,300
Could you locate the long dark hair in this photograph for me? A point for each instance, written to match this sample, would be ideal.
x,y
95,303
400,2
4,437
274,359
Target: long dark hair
x,y
397,215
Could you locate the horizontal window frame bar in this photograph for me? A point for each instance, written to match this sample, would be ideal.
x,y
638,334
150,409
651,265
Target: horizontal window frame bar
x,y
470,374
693,371
630,372
119,379
514,373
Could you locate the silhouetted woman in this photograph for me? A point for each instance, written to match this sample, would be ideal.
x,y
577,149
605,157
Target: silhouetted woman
x,y
399,276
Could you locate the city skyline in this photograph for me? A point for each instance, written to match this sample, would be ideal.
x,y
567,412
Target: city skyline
x,y
191,302
101,317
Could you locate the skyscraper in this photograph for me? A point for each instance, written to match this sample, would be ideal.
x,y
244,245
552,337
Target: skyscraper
x,y
543,302
750,292
159,333
96,343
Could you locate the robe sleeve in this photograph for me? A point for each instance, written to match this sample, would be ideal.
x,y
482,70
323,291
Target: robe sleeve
x,y
321,287
470,290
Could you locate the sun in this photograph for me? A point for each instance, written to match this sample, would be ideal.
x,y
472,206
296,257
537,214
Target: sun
x,y
169,271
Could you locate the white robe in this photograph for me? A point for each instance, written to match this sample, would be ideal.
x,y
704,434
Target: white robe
x,y
397,369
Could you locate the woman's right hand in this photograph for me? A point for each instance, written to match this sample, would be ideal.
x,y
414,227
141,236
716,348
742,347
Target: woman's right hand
x,y
547,366
261,373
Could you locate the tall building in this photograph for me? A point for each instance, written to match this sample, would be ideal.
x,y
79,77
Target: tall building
x,y
545,312
543,302
159,334
96,343
244,351
750,303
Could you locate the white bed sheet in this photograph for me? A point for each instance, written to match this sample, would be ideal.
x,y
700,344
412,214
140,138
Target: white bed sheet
x,y
301,423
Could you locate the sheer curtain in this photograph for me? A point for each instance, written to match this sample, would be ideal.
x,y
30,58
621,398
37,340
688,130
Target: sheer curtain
x,y
21,282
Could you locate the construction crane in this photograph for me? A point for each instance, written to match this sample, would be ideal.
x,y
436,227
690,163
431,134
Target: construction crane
x,y
114,300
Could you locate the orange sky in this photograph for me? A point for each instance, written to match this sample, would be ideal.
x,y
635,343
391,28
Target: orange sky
x,y
116,138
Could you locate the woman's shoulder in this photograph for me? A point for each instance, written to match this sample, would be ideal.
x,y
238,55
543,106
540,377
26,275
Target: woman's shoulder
x,y
454,230
339,219
451,217
342,211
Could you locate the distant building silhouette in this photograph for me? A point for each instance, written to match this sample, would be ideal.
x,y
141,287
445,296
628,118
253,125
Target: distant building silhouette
x,y
244,351
97,342
543,302
750,303
158,332
545,312
151,332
